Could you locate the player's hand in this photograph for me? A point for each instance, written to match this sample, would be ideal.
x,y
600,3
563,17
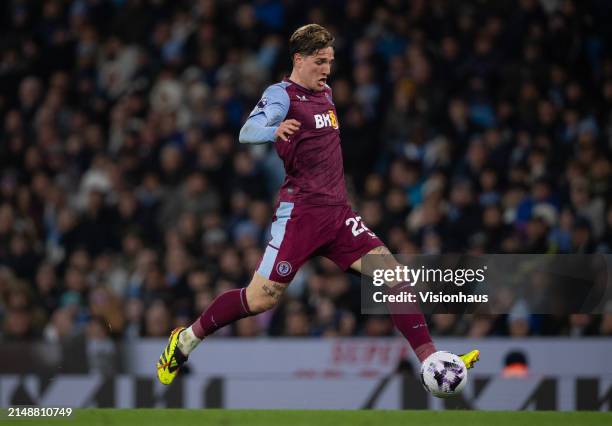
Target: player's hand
x,y
287,128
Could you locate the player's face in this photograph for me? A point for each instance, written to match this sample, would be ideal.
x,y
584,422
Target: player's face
x,y
314,69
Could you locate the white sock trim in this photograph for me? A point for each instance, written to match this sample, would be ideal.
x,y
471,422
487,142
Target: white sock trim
x,y
188,341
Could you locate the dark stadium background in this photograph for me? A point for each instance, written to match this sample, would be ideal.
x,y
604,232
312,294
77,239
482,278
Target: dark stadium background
x,y
127,203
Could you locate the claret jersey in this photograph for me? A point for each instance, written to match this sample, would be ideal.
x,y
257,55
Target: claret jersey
x,y
312,156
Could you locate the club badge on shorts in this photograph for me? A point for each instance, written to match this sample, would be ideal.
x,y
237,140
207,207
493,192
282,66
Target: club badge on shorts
x,y
283,268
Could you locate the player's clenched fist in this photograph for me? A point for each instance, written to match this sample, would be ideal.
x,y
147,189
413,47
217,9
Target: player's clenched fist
x,y
287,128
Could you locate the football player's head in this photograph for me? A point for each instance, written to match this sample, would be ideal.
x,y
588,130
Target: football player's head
x,y
312,53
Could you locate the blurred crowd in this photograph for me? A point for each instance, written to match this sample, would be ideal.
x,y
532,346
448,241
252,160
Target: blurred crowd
x,y
127,203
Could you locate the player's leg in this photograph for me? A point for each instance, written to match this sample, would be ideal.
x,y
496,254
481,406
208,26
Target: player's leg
x,y
409,319
289,248
354,241
259,296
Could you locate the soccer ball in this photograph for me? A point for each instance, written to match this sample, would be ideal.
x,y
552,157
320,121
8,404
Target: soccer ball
x,y
443,374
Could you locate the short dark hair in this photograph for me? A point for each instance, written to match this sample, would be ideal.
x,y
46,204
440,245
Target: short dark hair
x,y
307,40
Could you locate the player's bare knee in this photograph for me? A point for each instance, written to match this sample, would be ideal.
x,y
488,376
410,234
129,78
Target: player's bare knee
x,y
382,259
263,294
262,303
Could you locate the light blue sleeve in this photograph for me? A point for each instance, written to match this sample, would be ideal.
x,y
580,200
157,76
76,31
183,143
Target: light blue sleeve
x,y
269,112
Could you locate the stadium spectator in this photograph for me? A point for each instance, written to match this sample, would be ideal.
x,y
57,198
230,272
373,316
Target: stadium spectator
x,y
515,365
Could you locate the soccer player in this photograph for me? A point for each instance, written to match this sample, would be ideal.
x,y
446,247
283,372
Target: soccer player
x,y
313,216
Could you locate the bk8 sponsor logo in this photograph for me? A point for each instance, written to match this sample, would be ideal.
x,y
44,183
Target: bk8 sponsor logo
x,y
326,120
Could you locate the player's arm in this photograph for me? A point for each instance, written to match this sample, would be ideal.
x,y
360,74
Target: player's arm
x,y
265,123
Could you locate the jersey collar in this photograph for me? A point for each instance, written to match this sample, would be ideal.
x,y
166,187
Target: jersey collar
x,y
304,89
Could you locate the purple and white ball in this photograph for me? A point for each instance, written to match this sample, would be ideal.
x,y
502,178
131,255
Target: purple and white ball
x,y
443,374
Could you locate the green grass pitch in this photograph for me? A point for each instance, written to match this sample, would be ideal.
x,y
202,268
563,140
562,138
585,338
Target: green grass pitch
x,y
180,417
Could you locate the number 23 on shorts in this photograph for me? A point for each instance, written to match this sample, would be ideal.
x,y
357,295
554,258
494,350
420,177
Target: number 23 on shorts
x,y
357,226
